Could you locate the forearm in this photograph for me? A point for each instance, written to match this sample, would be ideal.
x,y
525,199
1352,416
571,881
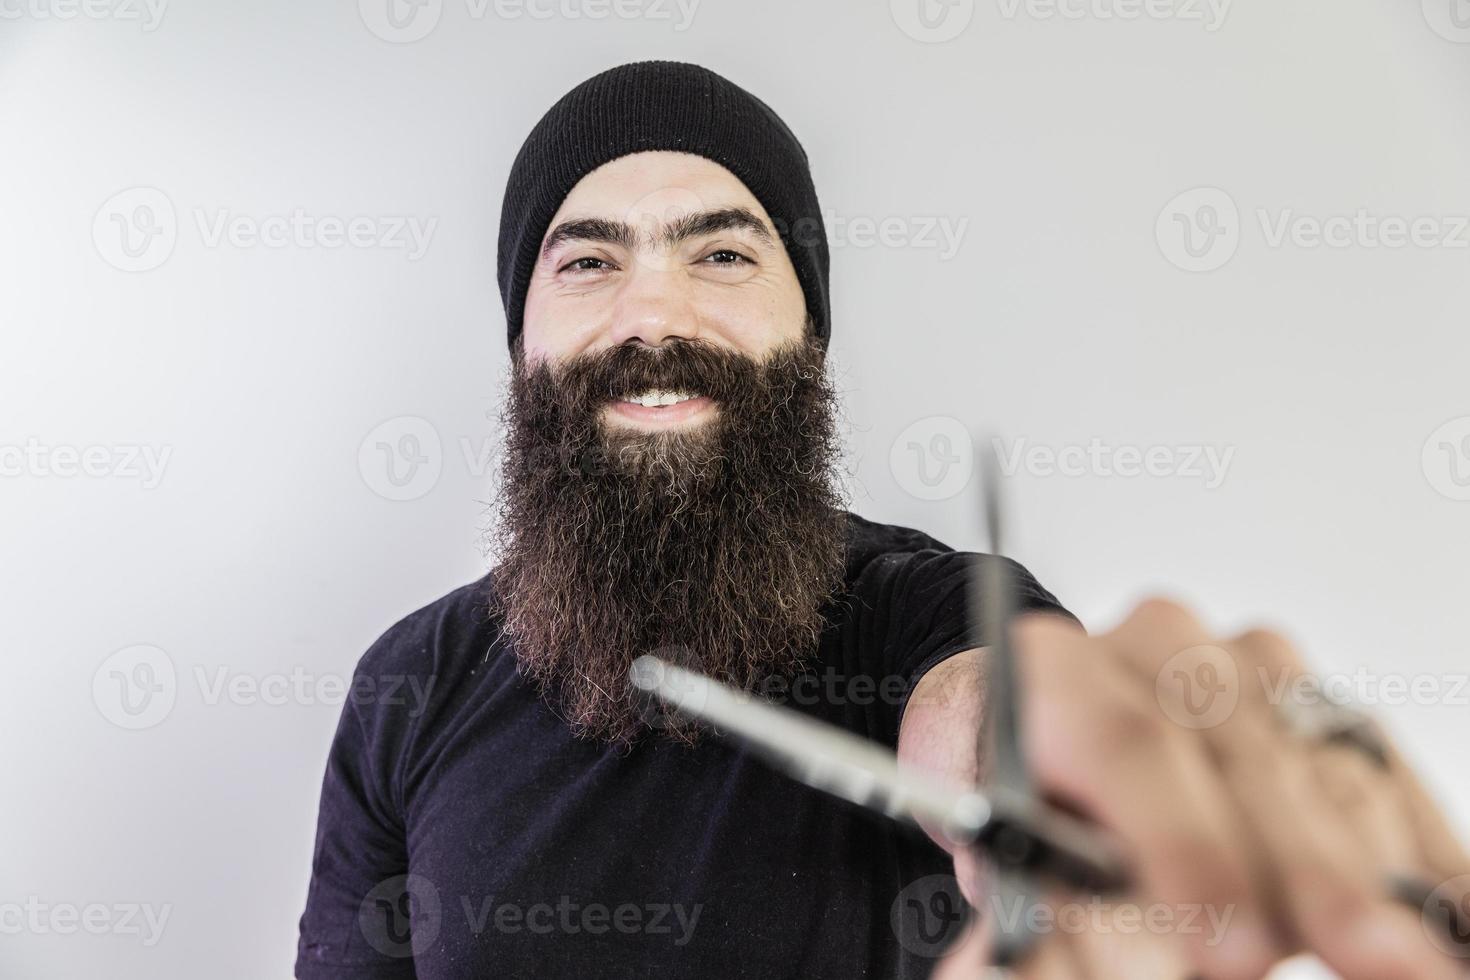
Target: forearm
x,y
941,722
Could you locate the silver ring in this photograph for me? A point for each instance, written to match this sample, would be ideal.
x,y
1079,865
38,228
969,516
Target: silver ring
x,y
1319,717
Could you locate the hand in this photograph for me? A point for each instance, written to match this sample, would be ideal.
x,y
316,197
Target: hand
x,y
1167,737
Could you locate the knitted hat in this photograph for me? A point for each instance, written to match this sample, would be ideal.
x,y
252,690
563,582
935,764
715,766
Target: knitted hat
x,y
661,105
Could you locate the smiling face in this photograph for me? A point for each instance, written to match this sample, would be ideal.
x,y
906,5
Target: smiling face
x,y
710,529
652,248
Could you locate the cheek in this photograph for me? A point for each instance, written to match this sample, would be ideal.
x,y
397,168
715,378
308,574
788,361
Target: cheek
x,y
554,328
754,320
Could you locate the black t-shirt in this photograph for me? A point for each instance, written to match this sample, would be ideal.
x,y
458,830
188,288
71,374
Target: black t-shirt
x,y
465,833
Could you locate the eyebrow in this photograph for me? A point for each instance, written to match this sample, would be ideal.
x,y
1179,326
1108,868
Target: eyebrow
x,y
681,229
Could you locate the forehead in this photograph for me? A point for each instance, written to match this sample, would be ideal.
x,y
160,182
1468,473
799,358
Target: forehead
x,y
657,184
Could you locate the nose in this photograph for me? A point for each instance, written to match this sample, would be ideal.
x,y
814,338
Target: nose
x,y
654,305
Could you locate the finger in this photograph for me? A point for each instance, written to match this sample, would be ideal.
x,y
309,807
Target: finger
x,y
1444,860
1401,830
1365,797
1440,849
971,958
1127,940
1096,736
1332,896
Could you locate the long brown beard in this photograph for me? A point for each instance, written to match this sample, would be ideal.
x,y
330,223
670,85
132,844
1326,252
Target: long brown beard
x,y
715,547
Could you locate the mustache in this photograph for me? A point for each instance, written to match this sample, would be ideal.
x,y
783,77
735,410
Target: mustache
x,y
585,382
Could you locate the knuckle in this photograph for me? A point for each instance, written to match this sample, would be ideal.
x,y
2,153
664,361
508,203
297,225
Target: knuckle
x,y
1269,646
1129,722
1326,894
1164,613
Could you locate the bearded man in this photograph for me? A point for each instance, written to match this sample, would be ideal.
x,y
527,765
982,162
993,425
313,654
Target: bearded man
x,y
671,486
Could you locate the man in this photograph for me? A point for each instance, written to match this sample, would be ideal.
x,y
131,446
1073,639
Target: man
x,y
670,487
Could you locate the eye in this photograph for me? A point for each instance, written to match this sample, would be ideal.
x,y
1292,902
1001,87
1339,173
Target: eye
x,y
726,256
586,264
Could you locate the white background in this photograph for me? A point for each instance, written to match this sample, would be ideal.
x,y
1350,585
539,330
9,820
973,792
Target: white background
x,y
269,546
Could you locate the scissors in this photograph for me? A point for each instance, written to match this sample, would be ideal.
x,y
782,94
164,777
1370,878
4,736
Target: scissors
x,y
1028,842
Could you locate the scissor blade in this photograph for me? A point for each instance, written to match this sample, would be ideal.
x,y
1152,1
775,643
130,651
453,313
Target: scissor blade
x,y
1015,831
820,755
992,603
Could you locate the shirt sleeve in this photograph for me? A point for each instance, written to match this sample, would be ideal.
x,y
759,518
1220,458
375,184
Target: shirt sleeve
x,y
356,922
931,611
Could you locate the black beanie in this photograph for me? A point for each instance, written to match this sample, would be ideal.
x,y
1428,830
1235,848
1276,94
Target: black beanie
x,y
661,105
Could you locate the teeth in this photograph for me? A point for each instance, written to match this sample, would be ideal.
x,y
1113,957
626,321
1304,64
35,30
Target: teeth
x,y
655,398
